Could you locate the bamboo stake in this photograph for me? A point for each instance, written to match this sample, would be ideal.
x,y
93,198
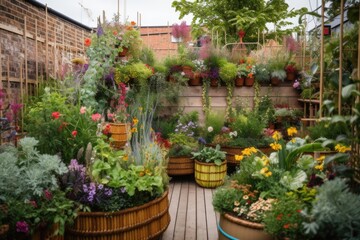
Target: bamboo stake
x,y
341,54
168,53
36,60
322,57
25,56
46,44
304,47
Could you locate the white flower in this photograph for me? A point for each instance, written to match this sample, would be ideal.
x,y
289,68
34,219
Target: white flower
x,y
210,129
182,74
233,134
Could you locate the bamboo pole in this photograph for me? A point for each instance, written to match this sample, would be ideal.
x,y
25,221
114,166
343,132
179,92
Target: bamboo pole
x,y
25,56
304,46
36,60
46,44
322,58
168,53
118,10
341,54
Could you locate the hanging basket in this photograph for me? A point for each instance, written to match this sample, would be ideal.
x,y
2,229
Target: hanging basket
x,y
231,227
180,166
209,175
147,221
119,132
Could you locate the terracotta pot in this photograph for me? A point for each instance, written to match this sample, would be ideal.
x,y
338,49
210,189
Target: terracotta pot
x,y
239,81
275,81
290,76
249,82
214,82
231,227
188,72
196,80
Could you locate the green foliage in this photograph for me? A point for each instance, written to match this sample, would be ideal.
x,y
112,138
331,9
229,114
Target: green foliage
x,y
210,155
224,198
147,56
262,74
182,145
334,217
284,220
249,125
280,74
228,73
213,123
326,129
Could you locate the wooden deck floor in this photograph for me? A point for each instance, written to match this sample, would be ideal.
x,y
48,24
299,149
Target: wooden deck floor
x,y
191,211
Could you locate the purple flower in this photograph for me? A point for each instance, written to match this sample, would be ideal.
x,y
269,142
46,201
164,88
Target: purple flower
x,y
74,166
225,129
213,73
85,188
202,140
296,84
108,191
99,31
22,226
100,186
123,190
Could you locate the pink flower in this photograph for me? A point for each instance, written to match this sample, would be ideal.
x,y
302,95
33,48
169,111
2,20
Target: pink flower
x,y
96,117
82,110
47,194
74,133
22,226
55,115
33,203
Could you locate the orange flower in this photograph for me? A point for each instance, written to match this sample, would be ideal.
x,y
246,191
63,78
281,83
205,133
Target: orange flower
x,y
87,42
115,33
132,23
250,75
286,226
129,28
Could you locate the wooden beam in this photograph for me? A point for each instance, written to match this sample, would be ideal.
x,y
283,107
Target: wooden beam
x,y
341,56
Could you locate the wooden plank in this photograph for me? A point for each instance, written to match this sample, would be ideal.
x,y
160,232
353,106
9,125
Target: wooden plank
x,y
210,216
201,233
173,210
180,224
190,225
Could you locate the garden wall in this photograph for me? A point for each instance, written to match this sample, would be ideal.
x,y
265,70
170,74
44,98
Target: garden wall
x,y
191,98
35,41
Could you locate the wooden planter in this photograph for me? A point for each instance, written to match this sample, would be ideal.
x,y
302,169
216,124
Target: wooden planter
x,y
249,82
119,133
231,227
209,175
180,166
239,81
196,80
147,221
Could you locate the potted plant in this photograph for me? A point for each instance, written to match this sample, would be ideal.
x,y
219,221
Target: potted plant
x,y
242,74
291,71
228,73
262,75
199,69
210,166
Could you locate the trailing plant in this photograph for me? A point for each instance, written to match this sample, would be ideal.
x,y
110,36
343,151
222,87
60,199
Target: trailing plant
x,y
228,73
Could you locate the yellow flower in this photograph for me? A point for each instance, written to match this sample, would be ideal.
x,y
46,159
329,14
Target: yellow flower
x,y
342,148
142,173
321,159
293,140
135,121
291,131
239,158
248,151
125,157
320,167
134,130
268,174
276,136
236,203
265,160
275,146
148,172
265,171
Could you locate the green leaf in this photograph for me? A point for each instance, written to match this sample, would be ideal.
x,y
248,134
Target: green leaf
x,y
348,90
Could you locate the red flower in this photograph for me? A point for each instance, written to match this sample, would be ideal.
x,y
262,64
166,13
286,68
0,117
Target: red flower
x,y
55,115
133,23
47,194
286,226
279,217
74,133
106,130
87,42
299,210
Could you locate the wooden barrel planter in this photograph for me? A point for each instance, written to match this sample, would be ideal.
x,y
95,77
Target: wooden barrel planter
x,y
147,221
231,227
209,175
180,166
119,133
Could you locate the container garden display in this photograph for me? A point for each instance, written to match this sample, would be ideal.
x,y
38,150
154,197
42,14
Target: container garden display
x,y
210,167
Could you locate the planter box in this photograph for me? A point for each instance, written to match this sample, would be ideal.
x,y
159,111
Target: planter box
x,y
231,227
147,221
209,175
180,166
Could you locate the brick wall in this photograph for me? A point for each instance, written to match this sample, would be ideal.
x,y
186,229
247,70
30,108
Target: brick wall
x,y
51,39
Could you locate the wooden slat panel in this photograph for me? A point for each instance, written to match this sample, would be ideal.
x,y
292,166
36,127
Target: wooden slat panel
x,y
180,229
210,216
190,231
200,215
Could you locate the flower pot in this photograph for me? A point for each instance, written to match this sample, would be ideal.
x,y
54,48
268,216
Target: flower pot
x,y
147,221
231,227
180,166
239,81
249,81
188,72
290,76
119,133
124,52
214,82
3,231
209,175
196,80
275,81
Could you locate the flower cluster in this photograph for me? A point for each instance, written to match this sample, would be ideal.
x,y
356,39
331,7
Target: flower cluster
x,y
187,129
342,148
199,65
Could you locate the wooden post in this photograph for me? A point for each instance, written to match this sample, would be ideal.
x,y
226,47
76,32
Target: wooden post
x,y
118,10
46,44
168,53
22,102
25,56
322,57
341,55
36,60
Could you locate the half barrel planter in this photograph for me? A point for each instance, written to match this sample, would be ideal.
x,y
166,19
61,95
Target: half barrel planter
x,y
147,221
210,175
231,227
180,166
119,132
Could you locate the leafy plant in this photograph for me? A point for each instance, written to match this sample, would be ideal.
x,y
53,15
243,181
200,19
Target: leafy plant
x,y
182,145
210,155
280,74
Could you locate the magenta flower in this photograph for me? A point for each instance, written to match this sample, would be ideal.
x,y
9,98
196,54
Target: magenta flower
x,y
74,133
55,115
48,194
15,107
22,226
96,117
